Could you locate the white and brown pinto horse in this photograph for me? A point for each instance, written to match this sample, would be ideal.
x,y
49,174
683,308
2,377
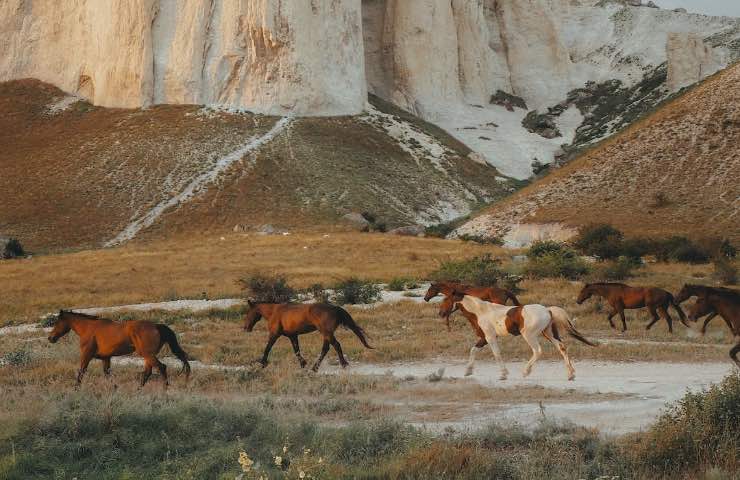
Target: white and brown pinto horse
x,y
529,321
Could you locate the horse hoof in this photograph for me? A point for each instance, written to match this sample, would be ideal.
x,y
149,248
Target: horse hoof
x,y
468,372
571,378
303,364
345,365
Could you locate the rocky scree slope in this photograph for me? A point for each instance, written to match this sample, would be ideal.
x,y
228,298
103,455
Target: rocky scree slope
x,y
675,172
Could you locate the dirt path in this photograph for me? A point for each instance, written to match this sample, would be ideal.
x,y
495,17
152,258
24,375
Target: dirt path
x,y
648,385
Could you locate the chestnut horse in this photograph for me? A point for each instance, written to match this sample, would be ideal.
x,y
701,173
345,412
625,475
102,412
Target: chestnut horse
x,y
621,297
489,294
102,338
529,321
290,320
715,301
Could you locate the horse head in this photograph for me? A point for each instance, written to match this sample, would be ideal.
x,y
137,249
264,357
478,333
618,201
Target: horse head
x,y
252,316
60,326
585,294
687,292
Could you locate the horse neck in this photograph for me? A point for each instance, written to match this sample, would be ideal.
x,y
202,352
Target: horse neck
x,y
475,306
723,306
79,324
266,309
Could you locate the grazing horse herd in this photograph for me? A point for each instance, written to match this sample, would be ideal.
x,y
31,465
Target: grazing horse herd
x,y
484,307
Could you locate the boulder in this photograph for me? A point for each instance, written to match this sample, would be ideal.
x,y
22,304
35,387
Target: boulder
x,y
356,221
408,231
680,10
652,4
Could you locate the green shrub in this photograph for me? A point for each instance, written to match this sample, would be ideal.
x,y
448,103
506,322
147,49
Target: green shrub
x,y
374,224
541,248
483,270
481,239
620,269
562,263
318,293
397,284
355,291
700,431
16,358
440,230
271,288
600,240
13,249
725,271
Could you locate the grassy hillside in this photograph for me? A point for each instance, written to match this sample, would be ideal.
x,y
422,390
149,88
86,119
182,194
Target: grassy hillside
x,y
674,172
76,177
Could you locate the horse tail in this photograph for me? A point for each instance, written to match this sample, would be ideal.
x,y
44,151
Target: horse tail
x,y
345,319
515,301
169,337
561,319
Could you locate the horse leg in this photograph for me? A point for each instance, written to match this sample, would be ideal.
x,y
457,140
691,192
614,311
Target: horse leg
x,y
475,349
147,371
706,322
106,366
86,354
497,353
297,350
563,351
270,342
162,371
324,351
621,315
609,317
664,312
534,344
654,313
338,348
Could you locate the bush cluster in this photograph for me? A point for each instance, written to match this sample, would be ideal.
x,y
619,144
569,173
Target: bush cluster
x,y
356,291
269,288
608,243
549,259
13,249
483,270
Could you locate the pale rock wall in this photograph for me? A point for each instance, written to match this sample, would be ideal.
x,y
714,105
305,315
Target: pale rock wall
x,y
271,56
689,60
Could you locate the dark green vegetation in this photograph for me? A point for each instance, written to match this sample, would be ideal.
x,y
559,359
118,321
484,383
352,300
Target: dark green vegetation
x,y
111,436
12,248
606,242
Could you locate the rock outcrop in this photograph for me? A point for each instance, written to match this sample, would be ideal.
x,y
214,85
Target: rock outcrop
x,y
272,56
689,60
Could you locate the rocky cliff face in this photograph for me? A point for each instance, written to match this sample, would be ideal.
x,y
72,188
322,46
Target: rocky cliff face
x,y
272,56
439,59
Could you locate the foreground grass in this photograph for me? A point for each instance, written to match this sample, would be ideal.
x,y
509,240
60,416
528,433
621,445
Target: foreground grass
x,y
115,436
209,267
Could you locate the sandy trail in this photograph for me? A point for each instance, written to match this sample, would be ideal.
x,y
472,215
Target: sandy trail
x,y
649,385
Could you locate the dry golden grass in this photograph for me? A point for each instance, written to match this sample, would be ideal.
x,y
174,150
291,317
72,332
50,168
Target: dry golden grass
x,y
193,267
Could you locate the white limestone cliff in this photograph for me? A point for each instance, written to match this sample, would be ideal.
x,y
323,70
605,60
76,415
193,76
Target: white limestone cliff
x,y
440,59
272,56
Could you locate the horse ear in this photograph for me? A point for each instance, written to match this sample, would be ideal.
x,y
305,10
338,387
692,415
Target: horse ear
x,y
250,302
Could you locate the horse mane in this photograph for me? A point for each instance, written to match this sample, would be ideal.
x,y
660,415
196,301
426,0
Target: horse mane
x,y
80,314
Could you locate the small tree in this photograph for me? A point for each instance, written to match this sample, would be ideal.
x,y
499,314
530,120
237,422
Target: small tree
x,y
271,288
601,240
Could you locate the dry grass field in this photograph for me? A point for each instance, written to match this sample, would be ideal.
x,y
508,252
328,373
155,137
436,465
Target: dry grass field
x,y
364,426
209,266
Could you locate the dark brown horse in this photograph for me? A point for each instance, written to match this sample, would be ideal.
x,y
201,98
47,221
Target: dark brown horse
x,y
489,294
622,297
103,339
711,301
290,320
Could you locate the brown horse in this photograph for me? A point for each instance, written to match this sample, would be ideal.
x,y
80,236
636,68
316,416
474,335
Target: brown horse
x,y
489,294
711,301
621,297
103,339
290,320
690,290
